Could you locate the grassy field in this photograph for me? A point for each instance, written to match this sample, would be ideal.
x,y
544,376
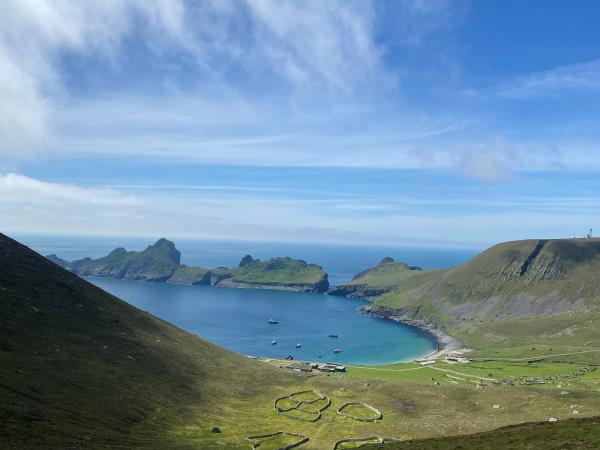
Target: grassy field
x,y
571,434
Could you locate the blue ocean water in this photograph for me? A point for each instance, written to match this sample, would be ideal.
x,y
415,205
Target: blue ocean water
x,y
237,318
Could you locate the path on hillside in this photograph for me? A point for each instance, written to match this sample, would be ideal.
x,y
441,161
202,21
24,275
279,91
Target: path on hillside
x,y
468,375
534,356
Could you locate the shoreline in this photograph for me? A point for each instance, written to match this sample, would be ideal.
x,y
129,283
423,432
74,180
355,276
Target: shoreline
x,y
445,342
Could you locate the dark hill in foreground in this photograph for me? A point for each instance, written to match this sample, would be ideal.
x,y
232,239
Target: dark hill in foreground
x,y
79,367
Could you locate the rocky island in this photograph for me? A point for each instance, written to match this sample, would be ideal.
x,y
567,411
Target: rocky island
x,y
161,262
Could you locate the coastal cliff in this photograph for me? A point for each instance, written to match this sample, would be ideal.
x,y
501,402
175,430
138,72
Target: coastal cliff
x,y
161,262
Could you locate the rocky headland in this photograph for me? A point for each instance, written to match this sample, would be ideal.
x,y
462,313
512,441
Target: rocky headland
x,y
161,262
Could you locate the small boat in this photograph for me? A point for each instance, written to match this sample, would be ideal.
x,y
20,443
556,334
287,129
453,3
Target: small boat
x,y
273,342
272,322
333,335
298,345
337,350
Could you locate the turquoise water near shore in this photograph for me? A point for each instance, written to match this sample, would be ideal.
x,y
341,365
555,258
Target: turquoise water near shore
x,y
237,318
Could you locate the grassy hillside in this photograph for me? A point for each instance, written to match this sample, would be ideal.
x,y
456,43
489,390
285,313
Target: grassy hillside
x,y
80,366
279,271
523,293
190,275
571,434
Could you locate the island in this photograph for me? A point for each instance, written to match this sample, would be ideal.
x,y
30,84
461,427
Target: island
x,y
161,262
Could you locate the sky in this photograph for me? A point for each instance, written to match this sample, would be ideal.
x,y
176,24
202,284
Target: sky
x,y
425,122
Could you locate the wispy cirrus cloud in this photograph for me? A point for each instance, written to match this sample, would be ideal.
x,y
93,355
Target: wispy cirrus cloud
x,y
204,64
21,190
582,77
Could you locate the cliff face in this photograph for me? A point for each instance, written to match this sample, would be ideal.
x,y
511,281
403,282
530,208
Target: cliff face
x,y
158,262
161,262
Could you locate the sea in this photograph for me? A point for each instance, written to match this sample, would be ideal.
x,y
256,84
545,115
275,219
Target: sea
x,y
237,319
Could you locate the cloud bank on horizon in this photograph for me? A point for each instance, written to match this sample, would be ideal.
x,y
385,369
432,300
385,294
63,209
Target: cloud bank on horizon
x,y
438,88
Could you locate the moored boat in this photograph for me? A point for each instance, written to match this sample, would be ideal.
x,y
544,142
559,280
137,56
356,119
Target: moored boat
x,y
337,350
298,345
273,342
272,322
333,335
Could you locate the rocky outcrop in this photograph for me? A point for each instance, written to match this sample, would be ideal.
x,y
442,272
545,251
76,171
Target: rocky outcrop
x,y
158,262
357,291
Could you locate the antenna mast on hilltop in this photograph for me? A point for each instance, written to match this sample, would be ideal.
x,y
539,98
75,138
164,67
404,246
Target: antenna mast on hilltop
x,y
590,234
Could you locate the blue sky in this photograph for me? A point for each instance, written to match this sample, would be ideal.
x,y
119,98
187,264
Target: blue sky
x,y
410,121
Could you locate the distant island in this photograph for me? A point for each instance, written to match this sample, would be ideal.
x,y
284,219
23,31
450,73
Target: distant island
x,y
161,262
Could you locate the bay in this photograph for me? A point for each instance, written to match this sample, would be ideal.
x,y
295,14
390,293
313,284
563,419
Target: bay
x,y
237,318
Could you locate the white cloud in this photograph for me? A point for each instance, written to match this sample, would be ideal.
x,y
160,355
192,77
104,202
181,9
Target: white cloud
x,y
582,77
33,36
324,55
18,189
488,164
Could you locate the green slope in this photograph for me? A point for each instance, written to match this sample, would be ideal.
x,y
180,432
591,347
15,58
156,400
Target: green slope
x,y
541,293
275,272
79,366
570,434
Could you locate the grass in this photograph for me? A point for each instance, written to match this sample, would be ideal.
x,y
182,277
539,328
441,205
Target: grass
x,y
569,434
385,274
278,271
189,275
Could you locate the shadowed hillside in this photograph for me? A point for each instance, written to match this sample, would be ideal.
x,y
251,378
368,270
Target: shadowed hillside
x,y
80,366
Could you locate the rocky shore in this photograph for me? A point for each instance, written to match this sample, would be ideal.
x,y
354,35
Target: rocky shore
x,y
318,287
445,342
